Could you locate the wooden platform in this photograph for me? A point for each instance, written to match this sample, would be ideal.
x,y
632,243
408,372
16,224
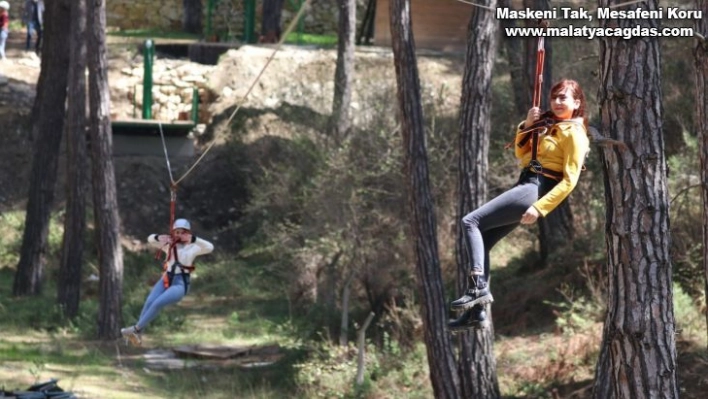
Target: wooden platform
x,y
142,137
150,127
213,357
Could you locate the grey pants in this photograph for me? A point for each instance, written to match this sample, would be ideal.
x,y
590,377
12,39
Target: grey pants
x,y
491,222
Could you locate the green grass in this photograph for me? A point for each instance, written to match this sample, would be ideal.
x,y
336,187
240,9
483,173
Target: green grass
x,y
292,38
154,33
311,39
228,305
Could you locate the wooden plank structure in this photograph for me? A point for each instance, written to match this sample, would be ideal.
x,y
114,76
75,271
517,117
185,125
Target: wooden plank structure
x,y
213,357
226,352
437,25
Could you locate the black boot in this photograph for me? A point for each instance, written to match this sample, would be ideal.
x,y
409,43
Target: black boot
x,y
477,294
474,318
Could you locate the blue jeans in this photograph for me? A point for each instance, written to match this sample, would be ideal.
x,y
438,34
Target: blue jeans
x,y
37,27
491,222
160,297
3,40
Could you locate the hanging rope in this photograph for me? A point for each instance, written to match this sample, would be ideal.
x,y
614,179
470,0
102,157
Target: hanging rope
x,y
540,58
477,5
285,34
173,184
538,82
164,148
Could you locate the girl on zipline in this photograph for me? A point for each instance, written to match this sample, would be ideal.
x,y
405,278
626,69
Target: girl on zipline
x,y
551,149
181,248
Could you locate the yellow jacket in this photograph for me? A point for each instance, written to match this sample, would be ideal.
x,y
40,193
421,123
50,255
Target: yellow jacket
x,y
561,149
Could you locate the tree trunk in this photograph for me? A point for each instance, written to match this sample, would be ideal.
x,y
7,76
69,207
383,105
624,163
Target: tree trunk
x,y
344,72
515,57
476,364
270,24
192,16
368,20
105,199
701,55
638,355
555,231
344,324
423,226
47,126
69,288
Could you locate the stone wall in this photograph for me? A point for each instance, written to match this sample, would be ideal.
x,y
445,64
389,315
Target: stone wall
x,y
174,81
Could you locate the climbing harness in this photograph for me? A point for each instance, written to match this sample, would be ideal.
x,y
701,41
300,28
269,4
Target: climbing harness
x,y
168,275
541,126
170,272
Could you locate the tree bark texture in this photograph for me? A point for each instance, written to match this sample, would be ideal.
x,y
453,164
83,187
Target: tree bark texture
x,y
105,199
638,354
192,16
69,288
344,71
515,54
443,373
47,126
477,365
555,231
701,59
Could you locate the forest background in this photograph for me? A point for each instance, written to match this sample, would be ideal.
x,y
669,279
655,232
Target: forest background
x,y
301,219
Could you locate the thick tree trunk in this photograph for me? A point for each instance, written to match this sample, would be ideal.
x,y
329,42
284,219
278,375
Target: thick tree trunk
x,y
105,198
443,374
270,24
47,126
701,55
344,72
69,288
192,16
515,56
477,365
638,355
555,231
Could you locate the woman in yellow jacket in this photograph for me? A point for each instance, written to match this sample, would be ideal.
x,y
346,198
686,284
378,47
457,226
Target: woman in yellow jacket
x,y
551,163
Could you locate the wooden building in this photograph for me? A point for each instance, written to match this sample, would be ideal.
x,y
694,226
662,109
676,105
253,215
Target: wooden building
x,y
437,24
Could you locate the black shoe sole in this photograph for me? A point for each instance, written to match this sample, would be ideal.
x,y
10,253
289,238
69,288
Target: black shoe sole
x,y
483,300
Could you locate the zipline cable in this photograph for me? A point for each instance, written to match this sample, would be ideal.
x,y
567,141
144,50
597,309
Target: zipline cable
x,y
290,28
626,3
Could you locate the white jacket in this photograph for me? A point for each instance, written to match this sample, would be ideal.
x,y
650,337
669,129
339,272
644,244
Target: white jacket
x,y
186,253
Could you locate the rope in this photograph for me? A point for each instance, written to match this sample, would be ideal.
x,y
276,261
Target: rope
x,y
626,3
164,148
477,5
173,184
287,31
540,58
